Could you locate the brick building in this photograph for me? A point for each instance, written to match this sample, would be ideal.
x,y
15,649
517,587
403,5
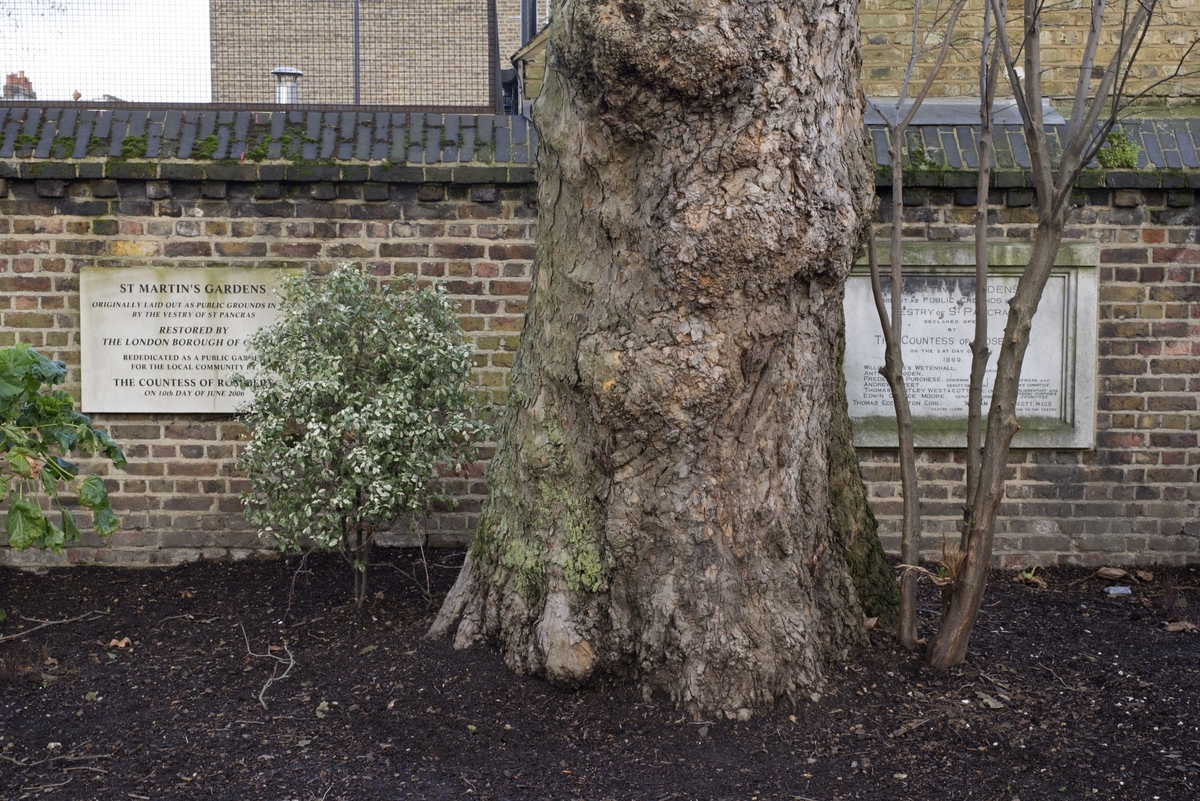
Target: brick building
x,y
434,53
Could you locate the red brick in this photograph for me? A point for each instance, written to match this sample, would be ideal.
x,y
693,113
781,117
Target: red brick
x,y
1176,255
508,288
183,249
510,252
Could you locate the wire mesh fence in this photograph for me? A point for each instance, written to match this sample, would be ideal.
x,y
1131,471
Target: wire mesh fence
x,y
391,53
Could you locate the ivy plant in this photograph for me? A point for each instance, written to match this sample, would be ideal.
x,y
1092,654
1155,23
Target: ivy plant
x,y
40,428
362,401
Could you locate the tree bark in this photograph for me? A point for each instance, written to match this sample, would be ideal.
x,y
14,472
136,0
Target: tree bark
x,y
666,500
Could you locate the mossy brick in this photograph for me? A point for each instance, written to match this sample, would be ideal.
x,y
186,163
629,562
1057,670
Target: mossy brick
x,y
355,172
131,170
479,175
1132,179
272,172
522,175
90,169
48,169
246,173
397,174
1011,179
313,172
182,171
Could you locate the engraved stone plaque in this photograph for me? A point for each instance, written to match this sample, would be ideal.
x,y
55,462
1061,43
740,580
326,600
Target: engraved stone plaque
x,y
1056,400
166,340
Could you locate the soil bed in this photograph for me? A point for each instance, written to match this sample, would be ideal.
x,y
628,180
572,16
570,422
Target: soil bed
x,y
1069,693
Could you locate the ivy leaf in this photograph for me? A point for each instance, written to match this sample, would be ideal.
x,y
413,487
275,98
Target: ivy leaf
x,y
92,493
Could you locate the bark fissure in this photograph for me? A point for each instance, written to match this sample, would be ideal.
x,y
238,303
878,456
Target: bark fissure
x,y
669,459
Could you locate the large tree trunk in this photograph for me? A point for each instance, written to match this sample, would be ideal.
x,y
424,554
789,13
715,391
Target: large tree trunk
x,y
660,502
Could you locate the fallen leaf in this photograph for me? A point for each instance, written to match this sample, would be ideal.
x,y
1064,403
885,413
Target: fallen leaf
x,y
1180,626
367,649
1144,575
870,622
92,696
322,709
121,643
471,728
989,701
900,776
303,742
1112,573
1030,578
50,661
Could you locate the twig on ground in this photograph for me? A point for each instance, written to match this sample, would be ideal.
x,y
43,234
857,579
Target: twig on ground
x,y
188,616
45,623
41,788
290,661
1055,675
64,758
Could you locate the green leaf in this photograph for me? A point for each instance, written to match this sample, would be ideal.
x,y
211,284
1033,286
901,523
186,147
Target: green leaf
x,y
49,483
24,523
46,371
70,530
92,493
53,537
105,522
19,464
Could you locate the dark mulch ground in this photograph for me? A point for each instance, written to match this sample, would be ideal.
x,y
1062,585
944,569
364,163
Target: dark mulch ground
x,y
1069,693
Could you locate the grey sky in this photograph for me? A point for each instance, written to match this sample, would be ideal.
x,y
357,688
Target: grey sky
x,y
138,50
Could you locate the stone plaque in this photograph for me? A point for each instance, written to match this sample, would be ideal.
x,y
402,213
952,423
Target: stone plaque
x,y
1056,401
166,339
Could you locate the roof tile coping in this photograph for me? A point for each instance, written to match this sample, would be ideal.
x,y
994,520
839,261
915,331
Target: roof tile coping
x,y
53,143
45,143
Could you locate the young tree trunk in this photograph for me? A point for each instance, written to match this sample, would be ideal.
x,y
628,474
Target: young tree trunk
x,y
661,503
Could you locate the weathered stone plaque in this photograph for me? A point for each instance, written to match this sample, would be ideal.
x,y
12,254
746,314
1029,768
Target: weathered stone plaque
x,y
166,340
1056,401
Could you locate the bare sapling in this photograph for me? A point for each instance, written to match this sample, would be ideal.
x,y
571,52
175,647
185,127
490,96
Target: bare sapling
x,y
897,118
1100,94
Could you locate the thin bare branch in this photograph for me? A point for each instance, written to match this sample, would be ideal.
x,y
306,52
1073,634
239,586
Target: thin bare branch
x,y
47,623
276,676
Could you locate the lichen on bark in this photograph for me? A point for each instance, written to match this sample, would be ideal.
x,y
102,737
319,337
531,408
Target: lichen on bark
x,y
668,454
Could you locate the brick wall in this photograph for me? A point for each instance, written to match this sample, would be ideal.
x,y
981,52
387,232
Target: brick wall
x,y
1136,496
887,33
452,198
469,224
